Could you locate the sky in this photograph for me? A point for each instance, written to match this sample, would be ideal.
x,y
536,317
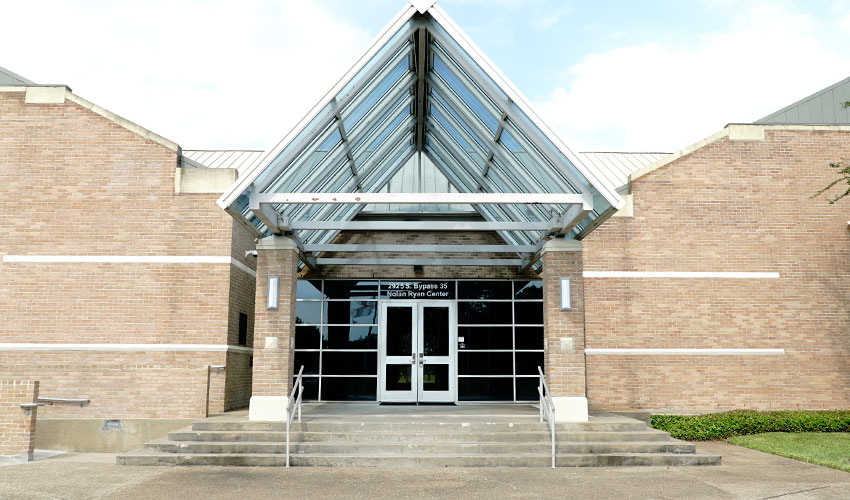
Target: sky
x,y
606,75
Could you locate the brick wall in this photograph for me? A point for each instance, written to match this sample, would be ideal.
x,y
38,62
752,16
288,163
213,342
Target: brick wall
x,y
729,206
565,366
17,429
272,374
73,182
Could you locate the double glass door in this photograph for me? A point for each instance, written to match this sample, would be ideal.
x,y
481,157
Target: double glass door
x,y
418,348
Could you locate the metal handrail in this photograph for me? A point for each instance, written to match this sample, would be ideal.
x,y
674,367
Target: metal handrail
x,y
290,406
81,401
548,405
29,406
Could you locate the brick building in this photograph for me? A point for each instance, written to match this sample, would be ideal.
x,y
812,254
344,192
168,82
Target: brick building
x,y
421,236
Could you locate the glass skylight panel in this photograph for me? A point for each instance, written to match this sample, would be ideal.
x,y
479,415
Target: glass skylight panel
x,y
465,94
457,118
403,32
375,143
351,117
403,101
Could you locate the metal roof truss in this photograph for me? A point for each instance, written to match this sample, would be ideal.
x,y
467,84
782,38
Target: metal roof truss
x,y
422,87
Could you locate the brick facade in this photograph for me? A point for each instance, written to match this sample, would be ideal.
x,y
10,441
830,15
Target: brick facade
x,y
564,364
17,425
77,181
273,374
735,206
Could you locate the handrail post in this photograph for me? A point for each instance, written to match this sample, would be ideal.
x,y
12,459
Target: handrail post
x,y
294,400
546,399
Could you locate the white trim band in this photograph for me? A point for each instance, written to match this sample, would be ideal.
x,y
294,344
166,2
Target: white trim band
x,y
128,259
126,347
680,274
688,352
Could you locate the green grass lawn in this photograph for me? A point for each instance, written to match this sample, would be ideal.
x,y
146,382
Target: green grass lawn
x,y
830,449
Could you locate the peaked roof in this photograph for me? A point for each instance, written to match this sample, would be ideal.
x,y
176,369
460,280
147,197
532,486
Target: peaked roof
x,y
9,78
423,87
824,107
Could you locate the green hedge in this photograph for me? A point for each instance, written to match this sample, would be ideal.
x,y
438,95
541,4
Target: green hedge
x,y
743,422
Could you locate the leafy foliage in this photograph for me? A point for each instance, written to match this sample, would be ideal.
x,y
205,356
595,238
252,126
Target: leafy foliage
x,y
843,168
744,422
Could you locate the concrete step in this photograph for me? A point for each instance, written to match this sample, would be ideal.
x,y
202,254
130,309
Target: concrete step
x,y
421,426
522,436
412,460
350,448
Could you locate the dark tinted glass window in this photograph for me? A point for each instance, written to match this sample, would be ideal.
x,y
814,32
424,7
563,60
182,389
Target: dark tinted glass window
x,y
524,290
435,334
308,289
308,312
351,289
528,313
349,388
483,313
311,387
399,331
350,337
529,337
477,338
485,389
310,360
526,389
527,362
243,329
307,337
349,363
352,312
485,363
483,290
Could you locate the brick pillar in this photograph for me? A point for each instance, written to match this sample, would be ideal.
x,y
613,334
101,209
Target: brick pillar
x,y
17,425
274,330
564,329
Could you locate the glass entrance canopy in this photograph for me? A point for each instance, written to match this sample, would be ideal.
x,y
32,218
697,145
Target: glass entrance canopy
x,y
423,88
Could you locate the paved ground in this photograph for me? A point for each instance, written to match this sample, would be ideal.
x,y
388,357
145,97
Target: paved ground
x,y
744,474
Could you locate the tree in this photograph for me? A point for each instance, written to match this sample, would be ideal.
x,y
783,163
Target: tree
x,y
843,169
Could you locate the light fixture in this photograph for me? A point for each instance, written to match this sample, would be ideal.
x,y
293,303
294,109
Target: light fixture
x,y
274,292
566,301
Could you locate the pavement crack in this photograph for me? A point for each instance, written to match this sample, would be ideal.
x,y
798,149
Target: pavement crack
x,y
796,492
134,481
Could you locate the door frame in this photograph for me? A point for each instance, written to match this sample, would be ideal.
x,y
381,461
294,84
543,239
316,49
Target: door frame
x,y
415,395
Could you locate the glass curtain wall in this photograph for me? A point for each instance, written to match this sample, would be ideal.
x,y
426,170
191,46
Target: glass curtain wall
x,y
500,338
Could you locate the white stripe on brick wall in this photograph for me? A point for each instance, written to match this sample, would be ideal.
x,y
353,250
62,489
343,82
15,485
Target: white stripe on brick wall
x,y
688,352
679,274
243,267
125,347
127,259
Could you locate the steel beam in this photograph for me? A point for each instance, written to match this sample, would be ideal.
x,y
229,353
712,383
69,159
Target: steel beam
x,y
427,198
344,225
419,262
277,223
421,70
565,222
356,247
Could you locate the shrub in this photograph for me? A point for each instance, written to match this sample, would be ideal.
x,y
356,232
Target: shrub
x,y
743,422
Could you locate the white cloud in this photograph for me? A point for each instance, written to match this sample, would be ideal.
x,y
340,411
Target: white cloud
x,y
551,18
203,73
663,98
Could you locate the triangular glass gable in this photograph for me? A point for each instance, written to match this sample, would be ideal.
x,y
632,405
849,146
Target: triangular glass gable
x,y
423,90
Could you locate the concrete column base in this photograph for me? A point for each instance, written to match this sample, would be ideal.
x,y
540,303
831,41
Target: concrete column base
x,y
570,409
267,408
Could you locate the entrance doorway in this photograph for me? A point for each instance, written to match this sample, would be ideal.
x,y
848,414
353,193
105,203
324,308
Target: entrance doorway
x,y
418,352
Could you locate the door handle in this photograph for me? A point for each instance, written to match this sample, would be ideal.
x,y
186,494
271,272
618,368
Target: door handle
x,y
413,359
421,359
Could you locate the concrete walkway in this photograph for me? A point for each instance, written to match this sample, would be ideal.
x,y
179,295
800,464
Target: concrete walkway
x,y
744,474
